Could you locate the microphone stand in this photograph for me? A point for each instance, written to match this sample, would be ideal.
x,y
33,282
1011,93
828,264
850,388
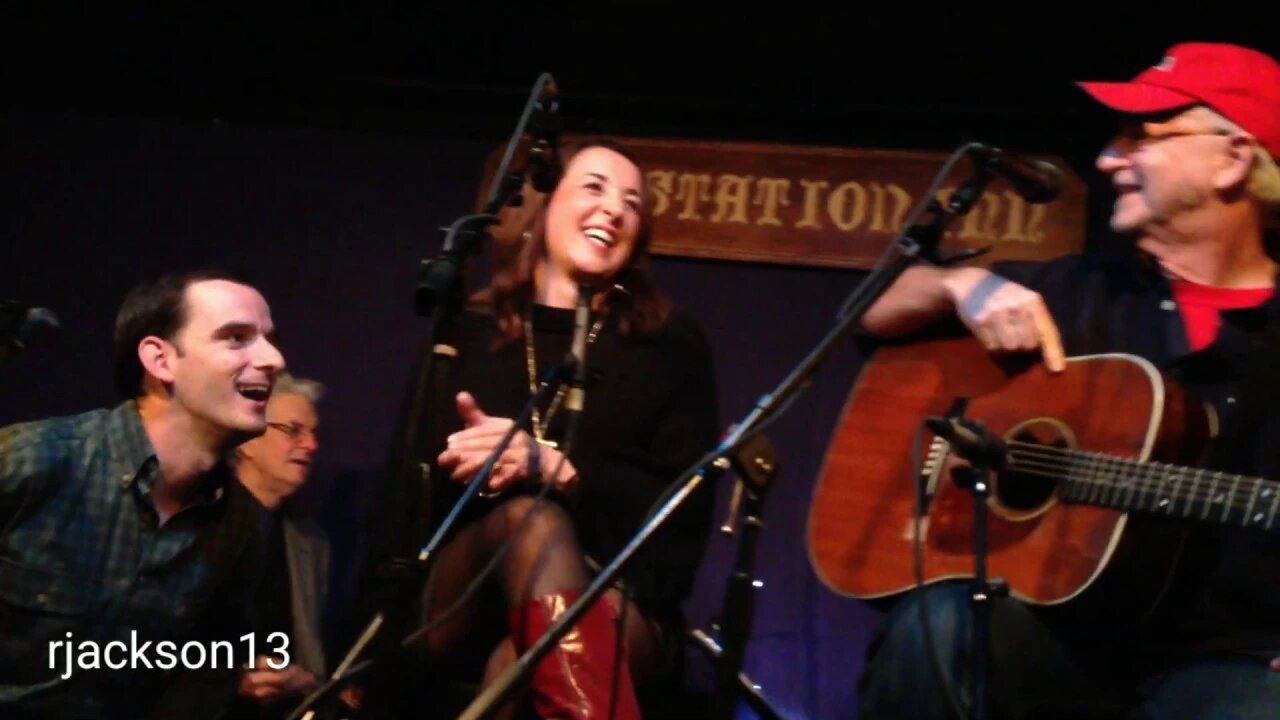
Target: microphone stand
x,y
440,296
985,453
756,465
918,241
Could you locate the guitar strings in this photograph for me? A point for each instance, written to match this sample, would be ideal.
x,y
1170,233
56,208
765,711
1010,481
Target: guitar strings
x,y
1130,470
1223,512
1082,487
1139,477
1093,479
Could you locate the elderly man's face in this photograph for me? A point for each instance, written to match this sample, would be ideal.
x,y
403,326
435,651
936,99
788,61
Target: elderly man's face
x,y
282,456
1162,169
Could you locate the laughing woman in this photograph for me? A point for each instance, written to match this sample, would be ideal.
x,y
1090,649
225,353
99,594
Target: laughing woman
x,y
650,412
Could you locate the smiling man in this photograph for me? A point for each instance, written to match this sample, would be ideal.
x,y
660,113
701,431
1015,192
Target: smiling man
x,y
125,527
290,601
1188,284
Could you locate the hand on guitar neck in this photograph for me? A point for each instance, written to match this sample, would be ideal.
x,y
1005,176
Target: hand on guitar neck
x,y
1003,315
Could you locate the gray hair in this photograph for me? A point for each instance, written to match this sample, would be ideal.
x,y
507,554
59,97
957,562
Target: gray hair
x,y
1263,182
287,384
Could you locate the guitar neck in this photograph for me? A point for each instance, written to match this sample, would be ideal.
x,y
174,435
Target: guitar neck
x,y
1156,488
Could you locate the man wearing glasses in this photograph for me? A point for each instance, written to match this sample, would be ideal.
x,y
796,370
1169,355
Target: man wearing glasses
x,y
1192,289
289,601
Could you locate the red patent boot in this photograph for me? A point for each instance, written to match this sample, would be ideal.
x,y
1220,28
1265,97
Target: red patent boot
x,y
574,681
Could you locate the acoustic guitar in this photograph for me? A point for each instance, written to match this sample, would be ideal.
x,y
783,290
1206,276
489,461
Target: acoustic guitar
x,y
1107,437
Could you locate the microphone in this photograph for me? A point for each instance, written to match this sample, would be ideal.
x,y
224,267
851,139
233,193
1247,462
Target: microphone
x,y
540,122
19,324
577,392
545,126
971,441
1037,181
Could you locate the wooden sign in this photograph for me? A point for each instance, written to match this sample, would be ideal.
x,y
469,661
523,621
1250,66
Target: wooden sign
x,y
827,206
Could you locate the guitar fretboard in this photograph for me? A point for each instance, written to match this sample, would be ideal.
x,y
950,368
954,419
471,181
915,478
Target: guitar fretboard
x,y
1169,490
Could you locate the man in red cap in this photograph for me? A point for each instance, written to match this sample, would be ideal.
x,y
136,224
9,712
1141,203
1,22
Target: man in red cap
x,y
1198,191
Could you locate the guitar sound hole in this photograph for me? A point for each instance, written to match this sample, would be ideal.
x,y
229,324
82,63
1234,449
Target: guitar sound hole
x,y
1030,489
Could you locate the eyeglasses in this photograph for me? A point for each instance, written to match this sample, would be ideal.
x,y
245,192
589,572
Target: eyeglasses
x,y
295,431
1137,136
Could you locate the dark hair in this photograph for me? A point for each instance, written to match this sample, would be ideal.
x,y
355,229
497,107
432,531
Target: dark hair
x,y
642,308
155,307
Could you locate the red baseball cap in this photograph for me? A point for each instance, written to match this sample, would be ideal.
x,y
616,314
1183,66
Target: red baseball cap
x,y
1240,83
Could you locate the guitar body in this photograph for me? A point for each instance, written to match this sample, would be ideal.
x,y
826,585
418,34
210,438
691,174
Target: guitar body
x,y
1049,550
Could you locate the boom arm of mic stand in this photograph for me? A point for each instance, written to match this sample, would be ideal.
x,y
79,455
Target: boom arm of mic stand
x,y
505,183
438,277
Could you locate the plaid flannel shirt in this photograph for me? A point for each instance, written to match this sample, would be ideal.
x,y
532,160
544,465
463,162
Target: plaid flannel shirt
x,y
83,558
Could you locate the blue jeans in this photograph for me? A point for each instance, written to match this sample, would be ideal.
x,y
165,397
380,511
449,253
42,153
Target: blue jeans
x,y
1220,688
1037,673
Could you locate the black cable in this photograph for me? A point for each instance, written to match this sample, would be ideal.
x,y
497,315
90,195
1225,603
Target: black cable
x,y
616,675
917,548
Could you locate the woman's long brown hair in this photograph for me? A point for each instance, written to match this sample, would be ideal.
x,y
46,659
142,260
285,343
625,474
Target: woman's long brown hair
x,y
640,308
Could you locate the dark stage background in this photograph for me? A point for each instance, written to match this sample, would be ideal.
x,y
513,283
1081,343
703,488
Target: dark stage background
x,y
319,152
